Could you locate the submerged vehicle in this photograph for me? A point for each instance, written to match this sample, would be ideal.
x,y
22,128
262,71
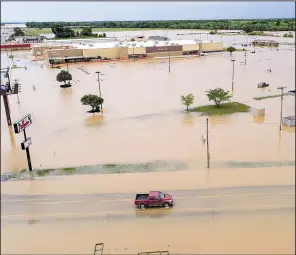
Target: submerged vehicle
x,y
262,85
154,199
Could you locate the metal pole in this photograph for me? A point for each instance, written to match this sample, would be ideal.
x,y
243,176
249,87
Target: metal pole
x,y
67,63
245,58
281,113
208,149
28,153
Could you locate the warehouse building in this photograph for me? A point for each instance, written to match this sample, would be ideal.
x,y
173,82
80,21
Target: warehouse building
x,y
127,50
265,43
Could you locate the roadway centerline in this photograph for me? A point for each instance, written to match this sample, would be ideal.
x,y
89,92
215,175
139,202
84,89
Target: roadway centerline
x,y
58,202
247,194
149,212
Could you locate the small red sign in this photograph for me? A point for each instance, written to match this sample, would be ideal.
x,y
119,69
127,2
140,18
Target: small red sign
x,y
23,123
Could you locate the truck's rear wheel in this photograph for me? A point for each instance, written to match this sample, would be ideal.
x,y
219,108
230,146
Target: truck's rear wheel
x,y
166,205
142,206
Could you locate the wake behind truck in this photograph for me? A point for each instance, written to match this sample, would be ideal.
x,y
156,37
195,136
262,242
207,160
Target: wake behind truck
x,y
154,199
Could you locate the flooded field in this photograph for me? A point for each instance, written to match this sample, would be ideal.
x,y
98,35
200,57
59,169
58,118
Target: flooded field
x,y
143,119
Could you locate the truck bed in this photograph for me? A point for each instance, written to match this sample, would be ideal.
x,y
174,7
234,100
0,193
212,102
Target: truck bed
x,y
142,196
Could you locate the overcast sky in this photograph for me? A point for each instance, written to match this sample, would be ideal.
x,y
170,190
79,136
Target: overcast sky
x,y
99,11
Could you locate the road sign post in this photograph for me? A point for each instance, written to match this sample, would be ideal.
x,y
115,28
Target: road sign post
x,y
20,126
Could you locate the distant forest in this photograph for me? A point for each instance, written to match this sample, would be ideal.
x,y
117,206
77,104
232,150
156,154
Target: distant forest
x,y
245,25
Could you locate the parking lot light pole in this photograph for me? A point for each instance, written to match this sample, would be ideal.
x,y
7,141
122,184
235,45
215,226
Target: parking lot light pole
x,y
281,112
232,86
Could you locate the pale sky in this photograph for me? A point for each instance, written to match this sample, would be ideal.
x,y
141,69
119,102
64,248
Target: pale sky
x,y
106,11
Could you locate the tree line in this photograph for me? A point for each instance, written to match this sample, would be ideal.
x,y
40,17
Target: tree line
x,y
62,31
246,25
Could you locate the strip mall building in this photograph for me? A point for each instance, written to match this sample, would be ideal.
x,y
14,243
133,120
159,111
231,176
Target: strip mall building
x,y
82,51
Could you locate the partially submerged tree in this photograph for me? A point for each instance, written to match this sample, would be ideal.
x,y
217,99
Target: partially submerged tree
x,y
187,100
231,49
64,76
218,95
92,100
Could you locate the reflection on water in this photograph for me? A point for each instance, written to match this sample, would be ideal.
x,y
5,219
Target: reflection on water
x,y
94,120
259,119
67,92
143,118
188,118
11,135
154,213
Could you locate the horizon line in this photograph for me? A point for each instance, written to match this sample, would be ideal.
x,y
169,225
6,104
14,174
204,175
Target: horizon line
x,y
18,22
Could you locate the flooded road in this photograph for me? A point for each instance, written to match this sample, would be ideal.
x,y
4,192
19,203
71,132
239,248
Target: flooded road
x,y
143,119
80,207
262,215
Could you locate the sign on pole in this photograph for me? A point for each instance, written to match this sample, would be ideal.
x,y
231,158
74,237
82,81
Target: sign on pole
x,y
23,123
20,126
26,144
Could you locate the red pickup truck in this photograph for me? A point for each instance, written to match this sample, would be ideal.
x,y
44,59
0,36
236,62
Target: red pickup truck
x,y
154,199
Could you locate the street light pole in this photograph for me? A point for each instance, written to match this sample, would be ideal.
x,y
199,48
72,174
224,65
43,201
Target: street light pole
x,y
232,87
245,57
281,113
169,61
100,87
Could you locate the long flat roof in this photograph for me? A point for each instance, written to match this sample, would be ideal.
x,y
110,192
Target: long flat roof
x,y
134,44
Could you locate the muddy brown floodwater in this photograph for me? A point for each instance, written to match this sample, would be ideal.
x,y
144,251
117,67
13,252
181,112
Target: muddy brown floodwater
x,y
143,119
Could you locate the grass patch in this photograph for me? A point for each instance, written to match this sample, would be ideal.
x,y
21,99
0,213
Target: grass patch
x,y
69,170
223,109
237,164
265,97
153,166
260,33
43,172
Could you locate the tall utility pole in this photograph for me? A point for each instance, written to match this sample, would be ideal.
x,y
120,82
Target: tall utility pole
x,y
208,149
232,86
100,87
281,114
